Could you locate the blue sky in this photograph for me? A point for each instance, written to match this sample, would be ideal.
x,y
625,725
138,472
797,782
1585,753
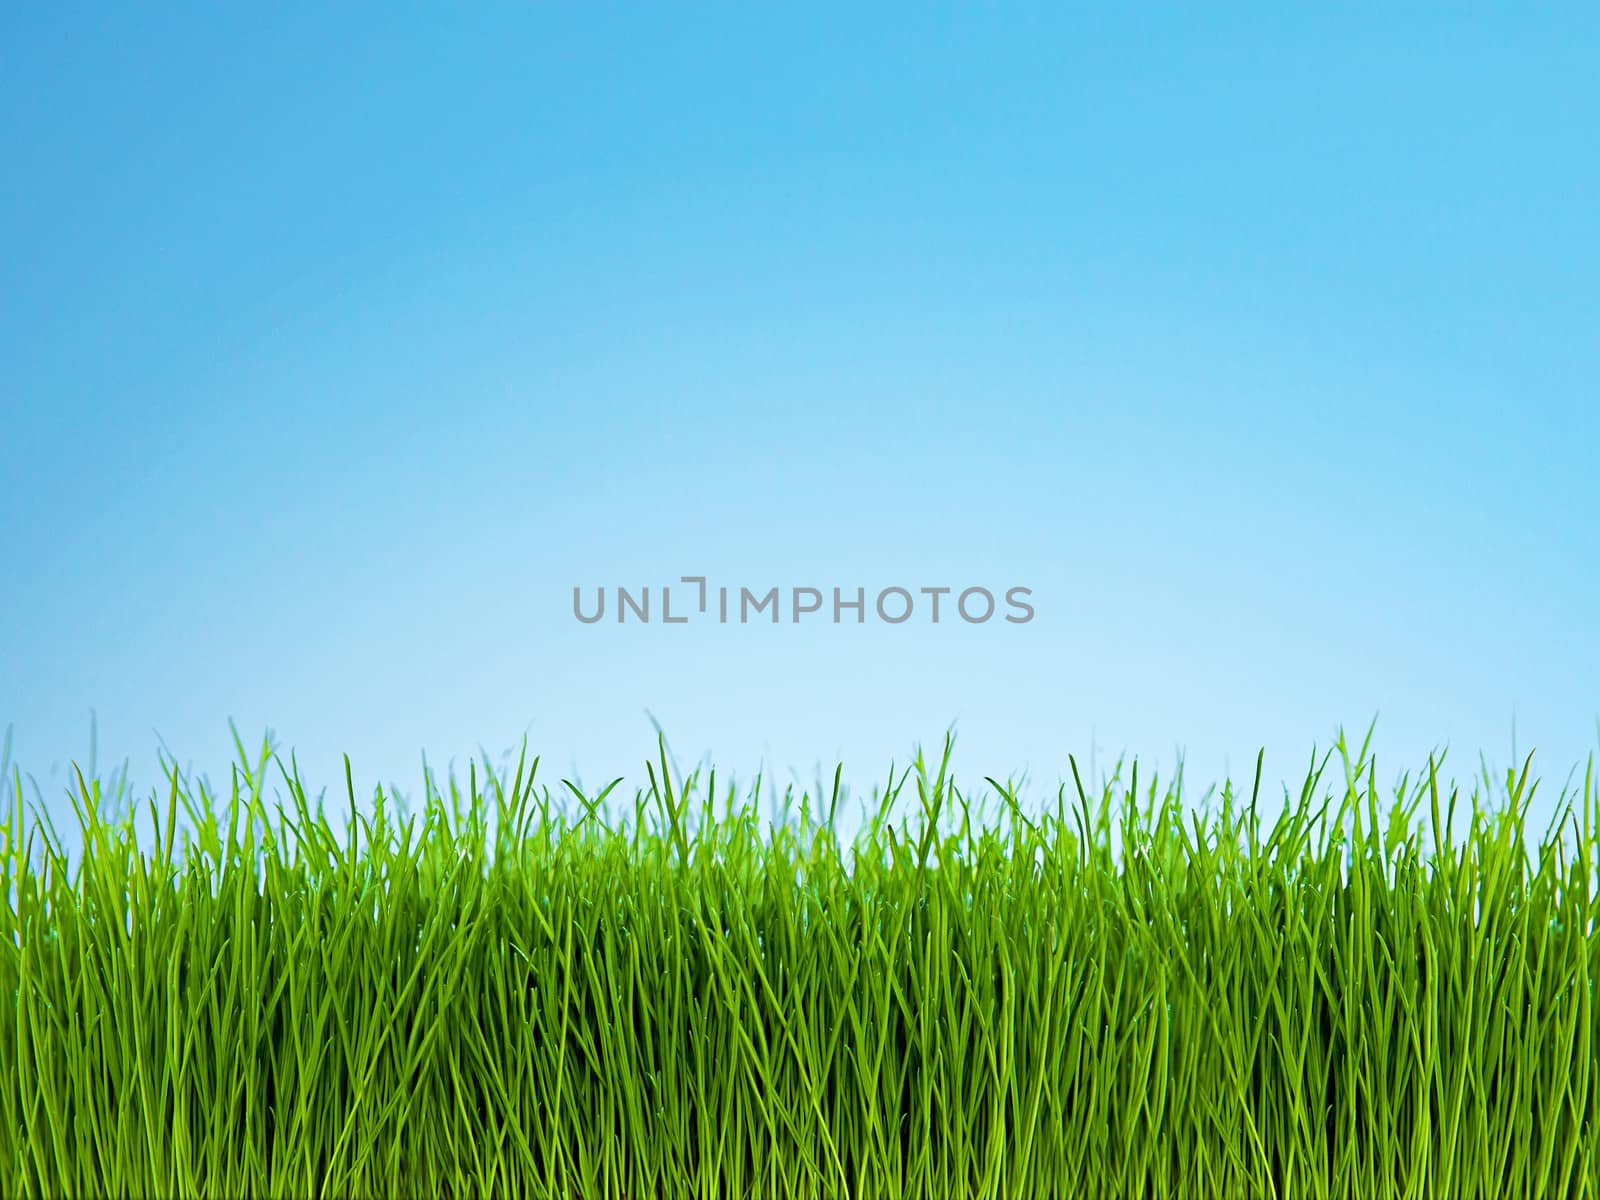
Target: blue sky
x,y
338,347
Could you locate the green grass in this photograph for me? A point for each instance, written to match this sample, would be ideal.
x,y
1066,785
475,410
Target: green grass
x,y
1344,990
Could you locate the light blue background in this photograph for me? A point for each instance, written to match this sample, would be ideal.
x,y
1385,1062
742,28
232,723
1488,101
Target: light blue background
x,y
337,348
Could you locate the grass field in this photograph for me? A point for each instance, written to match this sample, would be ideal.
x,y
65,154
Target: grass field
x,y
522,990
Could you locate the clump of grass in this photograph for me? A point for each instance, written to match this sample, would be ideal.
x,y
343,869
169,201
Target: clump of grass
x,y
519,991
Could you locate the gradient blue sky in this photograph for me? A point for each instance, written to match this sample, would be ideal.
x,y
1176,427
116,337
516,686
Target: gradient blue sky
x,y
338,346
